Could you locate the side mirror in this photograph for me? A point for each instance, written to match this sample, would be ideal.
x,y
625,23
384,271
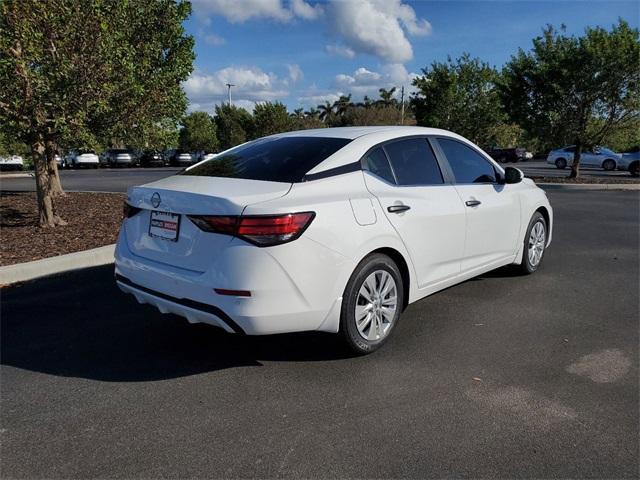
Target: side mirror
x,y
513,175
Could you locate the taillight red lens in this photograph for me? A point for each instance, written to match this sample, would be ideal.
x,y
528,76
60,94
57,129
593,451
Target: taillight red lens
x,y
217,224
261,230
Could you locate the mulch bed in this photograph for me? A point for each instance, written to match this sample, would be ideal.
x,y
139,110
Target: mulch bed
x,y
584,180
93,221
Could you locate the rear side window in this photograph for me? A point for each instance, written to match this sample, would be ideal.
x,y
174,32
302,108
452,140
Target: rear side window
x,y
413,162
468,165
376,162
280,159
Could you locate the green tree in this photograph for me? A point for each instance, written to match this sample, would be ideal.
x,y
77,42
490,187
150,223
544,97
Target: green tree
x,y
342,104
198,133
386,97
234,125
270,118
460,96
325,111
85,71
159,136
576,90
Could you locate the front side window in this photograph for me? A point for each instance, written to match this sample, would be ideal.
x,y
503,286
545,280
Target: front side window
x,y
468,165
279,159
376,162
413,162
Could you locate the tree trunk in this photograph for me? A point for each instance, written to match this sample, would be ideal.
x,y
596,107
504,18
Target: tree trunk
x,y
46,208
52,167
575,167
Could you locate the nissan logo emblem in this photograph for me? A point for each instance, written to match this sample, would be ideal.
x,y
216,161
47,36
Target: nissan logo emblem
x,y
155,200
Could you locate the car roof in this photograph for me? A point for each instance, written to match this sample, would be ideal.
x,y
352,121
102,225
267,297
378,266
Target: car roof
x,y
364,138
352,133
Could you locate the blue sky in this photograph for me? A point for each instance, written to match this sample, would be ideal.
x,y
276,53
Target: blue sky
x,y
305,52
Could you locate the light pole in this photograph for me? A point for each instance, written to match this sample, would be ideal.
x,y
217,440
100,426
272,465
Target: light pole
x,y
229,85
402,106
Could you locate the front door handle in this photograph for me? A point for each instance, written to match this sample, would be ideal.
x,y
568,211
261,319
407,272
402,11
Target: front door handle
x,y
472,203
398,208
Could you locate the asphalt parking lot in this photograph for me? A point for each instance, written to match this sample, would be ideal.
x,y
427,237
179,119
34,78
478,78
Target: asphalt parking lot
x,y
119,179
499,377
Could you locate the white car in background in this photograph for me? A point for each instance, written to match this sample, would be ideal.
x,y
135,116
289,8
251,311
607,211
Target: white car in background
x,y
600,157
13,162
332,230
82,158
119,157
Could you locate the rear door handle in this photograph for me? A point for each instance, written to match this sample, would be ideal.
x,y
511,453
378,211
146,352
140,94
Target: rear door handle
x,y
472,203
398,208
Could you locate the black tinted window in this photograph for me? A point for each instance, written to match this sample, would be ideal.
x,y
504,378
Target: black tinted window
x,y
468,165
376,162
413,162
284,159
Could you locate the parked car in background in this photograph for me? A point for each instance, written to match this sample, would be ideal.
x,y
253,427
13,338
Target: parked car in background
x,y
506,155
151,158
206,156
181,159
599,157
630,162
332,230
120,157
11,163
82,158
59,160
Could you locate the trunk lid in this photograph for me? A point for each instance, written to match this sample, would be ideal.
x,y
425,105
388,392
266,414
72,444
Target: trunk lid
x,y
185,195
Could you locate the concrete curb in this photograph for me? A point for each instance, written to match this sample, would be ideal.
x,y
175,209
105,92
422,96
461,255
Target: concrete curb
x,y
23,272
590,186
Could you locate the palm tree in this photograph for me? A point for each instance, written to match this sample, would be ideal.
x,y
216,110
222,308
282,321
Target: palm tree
x,y
342,104
386,97
297,113
312,112
326,111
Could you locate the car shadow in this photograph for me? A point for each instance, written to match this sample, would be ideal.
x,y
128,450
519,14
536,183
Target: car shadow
x,y
80,325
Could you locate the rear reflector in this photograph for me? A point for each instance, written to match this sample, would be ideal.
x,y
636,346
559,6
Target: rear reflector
x,y
261,230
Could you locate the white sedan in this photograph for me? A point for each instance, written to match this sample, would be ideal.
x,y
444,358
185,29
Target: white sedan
x,y
599,157
333,230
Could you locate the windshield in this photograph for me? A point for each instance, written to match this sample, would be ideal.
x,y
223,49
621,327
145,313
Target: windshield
x,y
279,159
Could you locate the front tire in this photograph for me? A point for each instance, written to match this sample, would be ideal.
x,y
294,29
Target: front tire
x,y
372,303
634,169
535,243
561,163
609,165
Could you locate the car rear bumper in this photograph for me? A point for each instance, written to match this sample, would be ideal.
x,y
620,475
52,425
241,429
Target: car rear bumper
x,y
282,298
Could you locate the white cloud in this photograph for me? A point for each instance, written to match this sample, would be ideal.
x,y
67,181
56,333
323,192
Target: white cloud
x,y
317,98
238,11
366,82
295,73
341,51
214,40
377,27
251,84
302,9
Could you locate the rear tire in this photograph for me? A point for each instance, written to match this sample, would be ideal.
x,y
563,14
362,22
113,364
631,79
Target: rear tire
x,y
371,305
535,244
634,169
561,163
609,165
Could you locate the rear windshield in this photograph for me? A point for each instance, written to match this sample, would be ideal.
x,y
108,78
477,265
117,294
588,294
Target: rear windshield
x,y
283,159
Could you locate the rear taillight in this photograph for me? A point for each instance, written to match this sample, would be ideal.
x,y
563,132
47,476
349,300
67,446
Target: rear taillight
x,y
128,211
261,230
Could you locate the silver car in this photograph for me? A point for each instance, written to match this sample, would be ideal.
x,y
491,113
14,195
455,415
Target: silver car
x,y
630,162
600,157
